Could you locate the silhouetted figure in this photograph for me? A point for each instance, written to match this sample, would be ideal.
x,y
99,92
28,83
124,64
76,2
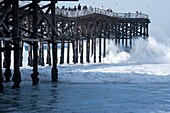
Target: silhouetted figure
x,y
63,7
140,13
69,9
85,7
57,7
90,8
75,8
79,7
137,12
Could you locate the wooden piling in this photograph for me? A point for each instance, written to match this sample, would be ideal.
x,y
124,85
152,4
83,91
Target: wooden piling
x,y
122,32
41,54
130,35
82,51
48,54
62,52
21,44
88,50
100,48
126,35
76,43
119,35
94,46
35,73
30,60
54,71
1,78
68,52
62,43
73,49
17,75
147,30
76,50
104,47
7,56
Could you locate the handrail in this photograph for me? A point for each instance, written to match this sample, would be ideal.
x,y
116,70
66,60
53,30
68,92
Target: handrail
x,y
78,13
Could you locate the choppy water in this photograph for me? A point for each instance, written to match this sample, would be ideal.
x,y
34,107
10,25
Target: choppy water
x,y
87,98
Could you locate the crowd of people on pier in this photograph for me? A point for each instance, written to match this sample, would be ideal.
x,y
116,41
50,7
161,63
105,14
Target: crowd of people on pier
x,y
80,10
75,8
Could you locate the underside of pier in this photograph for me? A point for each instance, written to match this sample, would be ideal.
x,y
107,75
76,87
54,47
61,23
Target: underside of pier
x,y
86,31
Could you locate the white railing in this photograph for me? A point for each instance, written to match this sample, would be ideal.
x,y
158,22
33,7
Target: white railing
x,y
91,10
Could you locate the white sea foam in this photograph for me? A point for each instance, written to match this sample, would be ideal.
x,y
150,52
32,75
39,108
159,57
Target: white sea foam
x,y
147,62
143,51
150,51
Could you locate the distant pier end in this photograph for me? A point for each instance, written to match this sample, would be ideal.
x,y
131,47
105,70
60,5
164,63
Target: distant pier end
x,y
83,31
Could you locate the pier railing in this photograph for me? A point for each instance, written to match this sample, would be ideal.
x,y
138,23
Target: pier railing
x,y
78,13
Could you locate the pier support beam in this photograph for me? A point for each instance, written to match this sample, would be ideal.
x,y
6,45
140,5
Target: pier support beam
x,y
81,57
48,54
76,50
130,35
73,50
62,52
30,61
1,78
126,35
54,71
88,50
104,47
41,54
94,45
68,52
100,48
35,73
147,30
7,55
16,76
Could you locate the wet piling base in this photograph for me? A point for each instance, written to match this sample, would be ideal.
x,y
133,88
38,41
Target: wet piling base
x,y
35,78
54,74
17,80
1,85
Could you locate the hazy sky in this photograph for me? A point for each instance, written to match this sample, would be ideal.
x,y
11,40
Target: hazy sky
x,y
158,11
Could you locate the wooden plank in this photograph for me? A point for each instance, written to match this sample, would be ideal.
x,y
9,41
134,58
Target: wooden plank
x,y
6,38
30,40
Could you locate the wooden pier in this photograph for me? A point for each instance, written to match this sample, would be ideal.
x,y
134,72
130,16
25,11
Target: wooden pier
x,y
86,31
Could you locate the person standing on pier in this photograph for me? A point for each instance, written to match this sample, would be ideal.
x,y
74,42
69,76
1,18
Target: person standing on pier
x,y
79,7
79,10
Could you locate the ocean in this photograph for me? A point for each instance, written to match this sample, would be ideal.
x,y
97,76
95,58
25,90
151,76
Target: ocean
x,y
125,82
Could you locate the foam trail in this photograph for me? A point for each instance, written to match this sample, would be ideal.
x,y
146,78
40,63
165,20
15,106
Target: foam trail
x,y
104,73
115,73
